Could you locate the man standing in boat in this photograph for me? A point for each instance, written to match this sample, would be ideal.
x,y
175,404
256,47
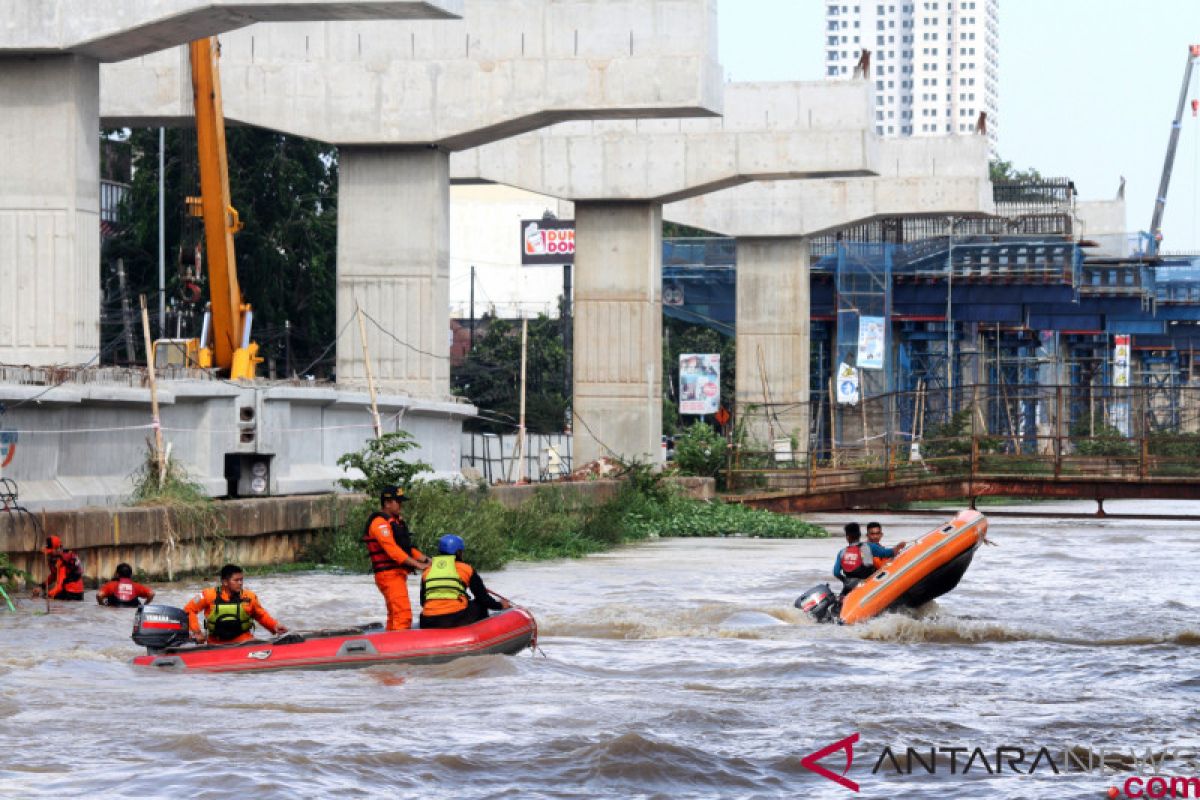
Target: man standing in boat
x,y
858,560
444,586
875,536
389,545
229,611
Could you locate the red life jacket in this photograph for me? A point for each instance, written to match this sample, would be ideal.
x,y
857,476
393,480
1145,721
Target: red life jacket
x,y
855,562
74,567
380,560
126,592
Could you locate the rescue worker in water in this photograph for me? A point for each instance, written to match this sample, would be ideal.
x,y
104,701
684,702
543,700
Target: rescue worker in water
x,y
444,585
389,545
64,580
122,591
858,560
229,610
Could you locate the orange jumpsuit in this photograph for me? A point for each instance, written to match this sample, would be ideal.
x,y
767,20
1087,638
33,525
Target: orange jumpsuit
x,y
203,602
391,576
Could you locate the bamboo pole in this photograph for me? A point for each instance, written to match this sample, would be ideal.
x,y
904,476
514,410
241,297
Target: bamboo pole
x,y
155,421
833,456
362,334
521,427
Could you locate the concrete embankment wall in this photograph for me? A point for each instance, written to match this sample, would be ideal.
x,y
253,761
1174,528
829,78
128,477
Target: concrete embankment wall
x,y
258,532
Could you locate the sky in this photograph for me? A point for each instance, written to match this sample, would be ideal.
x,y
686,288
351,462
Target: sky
x,y
1088,89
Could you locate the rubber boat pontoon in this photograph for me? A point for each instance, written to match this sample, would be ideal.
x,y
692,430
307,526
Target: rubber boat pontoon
x,y
163,630
927,568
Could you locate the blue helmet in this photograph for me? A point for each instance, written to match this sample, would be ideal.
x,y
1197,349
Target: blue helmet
x,y
451,545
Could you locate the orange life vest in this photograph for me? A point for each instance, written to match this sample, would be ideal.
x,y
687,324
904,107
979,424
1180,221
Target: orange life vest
x,y
380,560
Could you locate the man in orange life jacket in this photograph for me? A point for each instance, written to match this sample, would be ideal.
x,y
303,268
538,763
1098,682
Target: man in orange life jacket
x,y
389,545
65,578
122,592
230,611
858,559
444,585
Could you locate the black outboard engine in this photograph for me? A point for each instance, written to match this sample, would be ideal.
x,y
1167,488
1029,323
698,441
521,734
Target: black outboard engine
x,y
821,603
158,627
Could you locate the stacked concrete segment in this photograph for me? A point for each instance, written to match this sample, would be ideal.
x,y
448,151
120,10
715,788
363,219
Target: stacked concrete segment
x,y
49,177
773,223
619,174
398,97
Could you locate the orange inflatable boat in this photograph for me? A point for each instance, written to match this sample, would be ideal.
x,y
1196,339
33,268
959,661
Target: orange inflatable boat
x,y
928,568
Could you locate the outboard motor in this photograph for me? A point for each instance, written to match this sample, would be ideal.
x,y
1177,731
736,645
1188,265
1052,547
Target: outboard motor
x,y
158,627
821,603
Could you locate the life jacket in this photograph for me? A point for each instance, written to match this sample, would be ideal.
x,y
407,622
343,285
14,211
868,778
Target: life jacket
x,y
380,560
857,560
442,581
228,619
125,594
74,567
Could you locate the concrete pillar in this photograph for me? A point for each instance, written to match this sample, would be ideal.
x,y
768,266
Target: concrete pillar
x,y
618,331
393,259
773,335
49,210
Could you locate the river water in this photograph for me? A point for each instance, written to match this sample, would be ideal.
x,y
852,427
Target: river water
x,y
673,668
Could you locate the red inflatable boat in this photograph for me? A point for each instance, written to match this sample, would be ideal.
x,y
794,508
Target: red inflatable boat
x,y
162,629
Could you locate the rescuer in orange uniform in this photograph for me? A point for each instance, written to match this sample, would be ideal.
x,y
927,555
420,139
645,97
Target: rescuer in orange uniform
x,y
230,611
389,544
122,591
64,580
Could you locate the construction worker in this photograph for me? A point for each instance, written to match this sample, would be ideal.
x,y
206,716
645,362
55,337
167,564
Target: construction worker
x,y
229,610
444,586
389,545
64,578
122,591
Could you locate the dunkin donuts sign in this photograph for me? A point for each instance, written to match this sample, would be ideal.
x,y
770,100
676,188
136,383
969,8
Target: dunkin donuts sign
x,y
547,241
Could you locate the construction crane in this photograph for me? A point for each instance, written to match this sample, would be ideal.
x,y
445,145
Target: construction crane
x,y
1160,200
229,319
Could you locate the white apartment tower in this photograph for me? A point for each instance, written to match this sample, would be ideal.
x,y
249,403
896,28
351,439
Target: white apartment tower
x,y
934,63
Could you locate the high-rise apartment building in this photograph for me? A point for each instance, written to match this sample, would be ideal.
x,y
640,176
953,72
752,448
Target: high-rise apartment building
x,y
934,63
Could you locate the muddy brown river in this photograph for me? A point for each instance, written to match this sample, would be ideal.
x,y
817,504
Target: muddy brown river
x,y
674,668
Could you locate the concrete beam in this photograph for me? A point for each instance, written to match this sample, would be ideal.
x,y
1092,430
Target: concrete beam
x,y
770,131
917,177
1104,223
112,31
505,68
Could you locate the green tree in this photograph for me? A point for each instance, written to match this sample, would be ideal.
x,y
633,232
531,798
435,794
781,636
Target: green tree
x,y
491,376
382,464
699,450
285,191
1001,171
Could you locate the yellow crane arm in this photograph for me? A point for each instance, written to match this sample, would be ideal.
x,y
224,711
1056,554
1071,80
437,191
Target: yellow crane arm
x,y
232,350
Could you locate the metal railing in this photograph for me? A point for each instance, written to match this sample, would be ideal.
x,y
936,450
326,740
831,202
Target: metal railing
x,y
1067,433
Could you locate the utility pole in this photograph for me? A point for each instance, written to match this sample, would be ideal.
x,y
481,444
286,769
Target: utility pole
x,y
949,321
471,346
521,428
155,421
126,313
567,330
162,234
287,348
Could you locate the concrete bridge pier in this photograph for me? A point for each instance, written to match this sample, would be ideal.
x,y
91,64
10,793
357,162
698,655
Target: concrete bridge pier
x,y
49,209
773,339
618,330
393,260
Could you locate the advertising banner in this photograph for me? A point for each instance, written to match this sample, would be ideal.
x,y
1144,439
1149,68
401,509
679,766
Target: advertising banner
x,y
847,384
870,342
547,241
1121,347
699,383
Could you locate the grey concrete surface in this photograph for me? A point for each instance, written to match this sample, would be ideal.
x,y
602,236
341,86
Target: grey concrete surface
x,y
84,444
49,174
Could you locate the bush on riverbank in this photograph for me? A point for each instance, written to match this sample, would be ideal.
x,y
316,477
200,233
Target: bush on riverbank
x,y
553,524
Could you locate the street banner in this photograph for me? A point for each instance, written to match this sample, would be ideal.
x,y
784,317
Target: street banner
x,y
699,383
870,342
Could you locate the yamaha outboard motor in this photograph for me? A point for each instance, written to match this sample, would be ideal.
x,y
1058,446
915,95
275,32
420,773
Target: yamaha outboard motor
x,y
158,627
821,603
